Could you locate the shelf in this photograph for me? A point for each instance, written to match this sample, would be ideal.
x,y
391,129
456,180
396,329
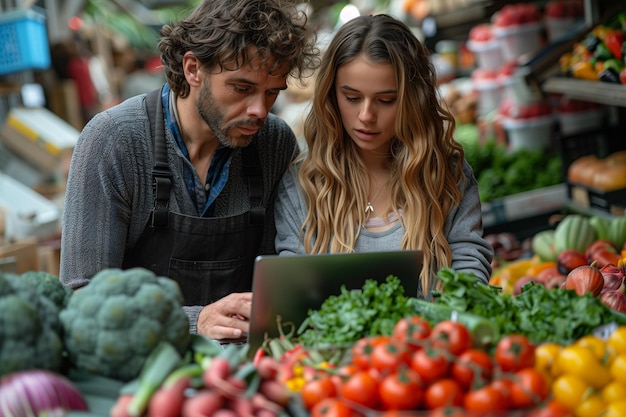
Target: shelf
x,y
595,91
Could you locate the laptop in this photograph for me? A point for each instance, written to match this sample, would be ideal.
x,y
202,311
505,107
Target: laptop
x,y
289,286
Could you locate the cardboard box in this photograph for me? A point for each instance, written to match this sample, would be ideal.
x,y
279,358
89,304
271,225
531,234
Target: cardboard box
x,y
24,253
40,137
27,213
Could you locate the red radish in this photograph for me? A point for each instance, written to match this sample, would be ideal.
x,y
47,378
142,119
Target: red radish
x,y
275,391
120,408
225,413
218,370
218,376
261,402
267,367
203,404
241,405
168,401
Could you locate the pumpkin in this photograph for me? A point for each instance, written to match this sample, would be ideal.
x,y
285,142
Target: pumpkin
x,y
583,169
610,177
574,232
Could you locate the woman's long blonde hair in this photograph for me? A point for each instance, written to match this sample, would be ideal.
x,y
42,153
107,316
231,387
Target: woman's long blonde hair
x,y
425,160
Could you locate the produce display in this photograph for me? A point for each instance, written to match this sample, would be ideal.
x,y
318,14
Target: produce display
x,y
604,174
501,172
545,337
599,56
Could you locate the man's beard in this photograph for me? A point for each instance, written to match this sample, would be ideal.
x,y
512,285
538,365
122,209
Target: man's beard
x,y
210,113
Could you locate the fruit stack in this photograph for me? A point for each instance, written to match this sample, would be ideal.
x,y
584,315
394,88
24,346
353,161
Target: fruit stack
x,y
519,28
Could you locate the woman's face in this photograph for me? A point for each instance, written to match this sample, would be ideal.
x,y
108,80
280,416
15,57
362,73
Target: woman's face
x,y
367,95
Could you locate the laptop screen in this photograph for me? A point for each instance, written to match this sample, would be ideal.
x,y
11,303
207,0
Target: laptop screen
x,y
287,287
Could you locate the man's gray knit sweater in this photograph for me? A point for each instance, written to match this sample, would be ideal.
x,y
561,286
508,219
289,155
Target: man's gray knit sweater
x,y
109,190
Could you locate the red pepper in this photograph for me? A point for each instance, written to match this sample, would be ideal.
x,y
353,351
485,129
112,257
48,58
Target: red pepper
x,y
260,352
614,41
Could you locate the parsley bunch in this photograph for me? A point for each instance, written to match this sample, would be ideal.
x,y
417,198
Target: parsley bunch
x,y
345,318
556,315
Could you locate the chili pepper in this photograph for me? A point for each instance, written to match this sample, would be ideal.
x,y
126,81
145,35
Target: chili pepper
x,y
584,70
614,41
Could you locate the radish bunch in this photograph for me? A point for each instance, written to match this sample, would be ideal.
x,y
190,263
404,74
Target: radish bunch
x,y
221,383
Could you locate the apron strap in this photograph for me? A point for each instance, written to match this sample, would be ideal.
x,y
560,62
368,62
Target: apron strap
x,y
161,177
251,169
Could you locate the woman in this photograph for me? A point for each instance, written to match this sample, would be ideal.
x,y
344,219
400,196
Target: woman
x,y
382,170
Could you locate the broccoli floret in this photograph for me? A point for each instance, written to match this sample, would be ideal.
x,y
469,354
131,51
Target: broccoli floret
x,y
49,286
112,324
30,328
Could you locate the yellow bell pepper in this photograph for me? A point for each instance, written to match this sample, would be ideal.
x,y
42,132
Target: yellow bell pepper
x,y
584,70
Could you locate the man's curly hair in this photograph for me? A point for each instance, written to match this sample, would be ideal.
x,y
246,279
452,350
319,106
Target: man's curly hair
x,y
221,32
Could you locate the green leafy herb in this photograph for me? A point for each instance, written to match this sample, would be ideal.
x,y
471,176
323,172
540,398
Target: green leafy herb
x,y
352,314
557,315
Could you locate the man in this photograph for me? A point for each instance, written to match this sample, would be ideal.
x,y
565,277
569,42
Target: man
x,y
182,180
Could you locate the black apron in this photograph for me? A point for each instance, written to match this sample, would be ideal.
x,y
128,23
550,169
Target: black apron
x,y
208,257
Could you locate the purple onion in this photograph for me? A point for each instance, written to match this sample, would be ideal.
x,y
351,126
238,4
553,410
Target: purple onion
x,y
33,392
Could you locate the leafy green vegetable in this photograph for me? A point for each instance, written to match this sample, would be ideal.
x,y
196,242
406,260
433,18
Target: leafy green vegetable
x,y
30,330
501,172
112,324
557,315
353,314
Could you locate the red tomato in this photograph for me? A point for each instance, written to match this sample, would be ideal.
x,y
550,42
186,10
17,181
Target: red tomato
x,y
316,390
332,407
515,352
484,400
413,330
551,408
431,364
401,390
504,384
362,350
342,374
387,357
530,388
450,412
361,388
472,368
442,393
452,336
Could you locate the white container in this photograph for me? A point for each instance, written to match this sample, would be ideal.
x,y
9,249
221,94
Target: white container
x,y
488,54
516,41
28,213
571,123
535,133
558,28
489,96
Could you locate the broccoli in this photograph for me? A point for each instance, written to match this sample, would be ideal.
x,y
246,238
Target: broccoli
x,y
112,324
49,286
30,329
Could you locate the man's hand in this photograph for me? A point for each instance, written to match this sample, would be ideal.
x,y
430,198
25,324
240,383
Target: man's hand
x,y
227,318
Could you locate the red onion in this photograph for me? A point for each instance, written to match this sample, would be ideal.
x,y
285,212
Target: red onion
x,y
33,392
613,277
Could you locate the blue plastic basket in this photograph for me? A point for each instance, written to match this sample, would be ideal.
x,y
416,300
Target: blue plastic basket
x,y
23,41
